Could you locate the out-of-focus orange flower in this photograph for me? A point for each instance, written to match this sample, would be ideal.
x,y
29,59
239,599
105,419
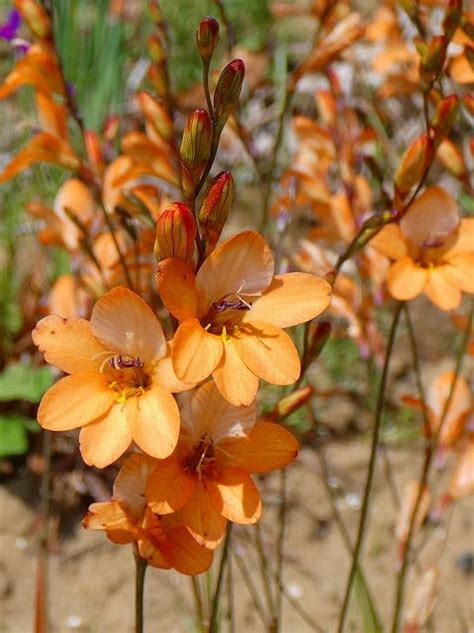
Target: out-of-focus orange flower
x,y
405,516
231,315
120,382
458,412
433,251
38,68
51,145
462,480
162,541
208,476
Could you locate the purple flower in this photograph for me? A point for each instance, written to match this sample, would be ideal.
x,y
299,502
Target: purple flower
x,y
9,28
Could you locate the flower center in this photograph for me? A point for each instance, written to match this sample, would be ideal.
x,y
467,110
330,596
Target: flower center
x,y
128,375
202,457
225,315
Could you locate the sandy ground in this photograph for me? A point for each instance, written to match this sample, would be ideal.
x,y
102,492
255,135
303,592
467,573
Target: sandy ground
x,y
92,580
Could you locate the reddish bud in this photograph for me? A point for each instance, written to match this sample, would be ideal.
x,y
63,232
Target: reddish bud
x,y
175,233
451,158
432,59
317,339
452,18
216,206
159,79
155,12
156,113
228,90
155,49
445,114
111,128
94,151
290,403
413,163
195,149
207,37
468,102
36,17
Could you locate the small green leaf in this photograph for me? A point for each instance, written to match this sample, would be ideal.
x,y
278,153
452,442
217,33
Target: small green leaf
x,y
14,434
23,382
367,609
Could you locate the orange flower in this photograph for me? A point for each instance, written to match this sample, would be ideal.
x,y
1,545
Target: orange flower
x,y
433,251
162,541
458,412
231,314
118,390
208,476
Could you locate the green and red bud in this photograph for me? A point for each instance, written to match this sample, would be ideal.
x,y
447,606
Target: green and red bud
x,y
158,78
175,233
95,155
445,115
156,50
157,114
155,12
227,91
413,164
215,207
317,339
195,149
433,55
452,18
290,403
451,157
207,37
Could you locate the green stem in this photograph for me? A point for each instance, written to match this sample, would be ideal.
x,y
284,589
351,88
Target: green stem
x,y
220,581
280,551
140,569
371,470
198,603
432,442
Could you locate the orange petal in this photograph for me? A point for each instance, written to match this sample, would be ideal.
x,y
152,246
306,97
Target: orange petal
x,y
462,481
268,352
185,555
234,380
123,322
240,498
52,116
68,344
405,279
431,218
207,412
175,280
464,242
440,291
169,486
291,299
459,271
44,148
390,242
130,483
75,401
203,518
104,441
111,516
269,446
243,264
154,421
195,352
166,376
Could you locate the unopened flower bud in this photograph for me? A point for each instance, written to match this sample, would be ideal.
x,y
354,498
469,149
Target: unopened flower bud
x,y
228,90
175,233
155,49
159,78
94,151
413,163
452,18
155,12
111,128
445,114
290,403
216,206
317,339
156,113
207,37
452,158
195,149
36,17
432,60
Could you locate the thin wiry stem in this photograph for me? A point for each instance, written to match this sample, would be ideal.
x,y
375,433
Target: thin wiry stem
x,y
280,551
140,569
265,572
230,595
252,589
220,581
198,602
432,441
371,469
